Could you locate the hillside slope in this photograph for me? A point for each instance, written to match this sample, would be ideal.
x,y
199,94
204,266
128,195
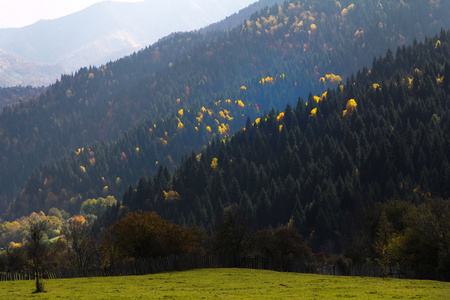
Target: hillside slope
x,y
327,162
279,54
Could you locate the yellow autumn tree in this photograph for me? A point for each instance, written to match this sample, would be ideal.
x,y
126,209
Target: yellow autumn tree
x,y
171,196
333,78
410,82
163,142
240,103
200,117
214,164
224,129
280,116
344,12
69,93
350,107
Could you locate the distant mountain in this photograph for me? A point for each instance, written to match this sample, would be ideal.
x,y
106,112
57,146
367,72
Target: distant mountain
x,y
103,32
16,70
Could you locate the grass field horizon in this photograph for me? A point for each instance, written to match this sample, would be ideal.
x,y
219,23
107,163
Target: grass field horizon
x,y
228,284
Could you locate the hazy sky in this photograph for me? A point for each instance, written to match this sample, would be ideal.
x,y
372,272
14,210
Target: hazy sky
x,y
19,13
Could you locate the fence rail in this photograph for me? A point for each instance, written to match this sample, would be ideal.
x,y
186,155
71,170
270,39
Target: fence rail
x,y
188,262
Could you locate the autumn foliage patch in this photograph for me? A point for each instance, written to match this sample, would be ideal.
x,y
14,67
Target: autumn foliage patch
x,y
146,234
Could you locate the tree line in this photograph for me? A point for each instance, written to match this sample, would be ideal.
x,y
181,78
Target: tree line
x,y
142,235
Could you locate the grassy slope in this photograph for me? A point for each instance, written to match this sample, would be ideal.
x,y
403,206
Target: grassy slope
x,y
229,284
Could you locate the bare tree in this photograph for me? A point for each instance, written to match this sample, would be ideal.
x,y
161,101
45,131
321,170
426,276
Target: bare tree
x,y
82,249
36,249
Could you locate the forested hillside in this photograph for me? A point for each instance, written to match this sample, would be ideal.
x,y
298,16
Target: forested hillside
x,y
13,95
238,18
106,169
363,167
299,47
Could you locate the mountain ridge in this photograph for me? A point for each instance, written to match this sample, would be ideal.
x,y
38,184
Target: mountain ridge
x,y
106,31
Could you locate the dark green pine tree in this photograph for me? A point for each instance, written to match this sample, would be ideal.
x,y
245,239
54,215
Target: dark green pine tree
x,y
446,81
235,191
263,209
298,215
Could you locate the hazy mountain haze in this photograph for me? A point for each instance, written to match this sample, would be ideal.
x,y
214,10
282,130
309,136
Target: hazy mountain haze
x,y
105,31
20,13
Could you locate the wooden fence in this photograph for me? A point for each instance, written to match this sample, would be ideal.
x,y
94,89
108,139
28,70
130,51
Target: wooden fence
x,y
189,261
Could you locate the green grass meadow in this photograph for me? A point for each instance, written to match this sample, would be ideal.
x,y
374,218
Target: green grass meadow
x,y
228,284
